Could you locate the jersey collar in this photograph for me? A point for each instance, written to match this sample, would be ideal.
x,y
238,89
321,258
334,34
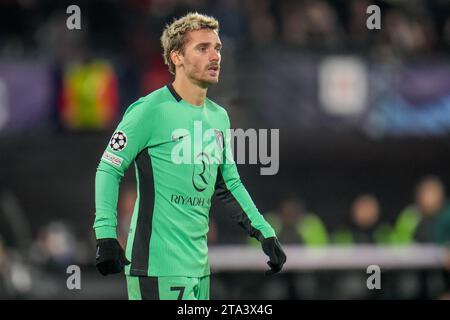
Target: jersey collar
x,y
173,92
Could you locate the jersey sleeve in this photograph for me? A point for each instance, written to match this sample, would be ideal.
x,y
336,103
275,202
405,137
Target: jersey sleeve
x,y
231,191
128,140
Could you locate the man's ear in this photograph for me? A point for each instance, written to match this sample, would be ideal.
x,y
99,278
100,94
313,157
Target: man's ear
x,y
176,58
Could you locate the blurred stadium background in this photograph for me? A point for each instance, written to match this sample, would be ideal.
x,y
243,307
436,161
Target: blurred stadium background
x,y
364,119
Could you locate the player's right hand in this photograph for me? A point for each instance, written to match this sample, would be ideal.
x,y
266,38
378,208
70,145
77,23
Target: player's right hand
x,y
110,257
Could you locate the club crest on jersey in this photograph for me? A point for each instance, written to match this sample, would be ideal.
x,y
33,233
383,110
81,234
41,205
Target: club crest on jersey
x,y
118,141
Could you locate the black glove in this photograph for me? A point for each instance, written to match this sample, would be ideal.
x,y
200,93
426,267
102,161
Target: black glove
x,y
277,257
110,257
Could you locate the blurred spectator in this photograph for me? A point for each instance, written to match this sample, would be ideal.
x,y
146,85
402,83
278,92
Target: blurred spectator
x,y
406,33
365,226
294,225
365,216
428,218
15,277
233,24
15,229
56,43
427,221
89,95
324,29
262,25
313,23
359,34
55,247
294,28
33,26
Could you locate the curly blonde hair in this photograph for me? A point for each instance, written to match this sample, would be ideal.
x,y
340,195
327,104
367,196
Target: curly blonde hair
x,y
174,35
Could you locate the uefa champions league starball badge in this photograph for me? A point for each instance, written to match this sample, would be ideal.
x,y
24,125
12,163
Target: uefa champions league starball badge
x,y
118,141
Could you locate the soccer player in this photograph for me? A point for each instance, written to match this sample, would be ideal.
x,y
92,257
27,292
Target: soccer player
x,y
166,254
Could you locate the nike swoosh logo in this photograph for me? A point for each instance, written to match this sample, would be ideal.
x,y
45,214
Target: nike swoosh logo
x,y
175,138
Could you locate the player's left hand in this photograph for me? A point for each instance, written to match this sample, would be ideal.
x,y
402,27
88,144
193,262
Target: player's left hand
x,y
272,248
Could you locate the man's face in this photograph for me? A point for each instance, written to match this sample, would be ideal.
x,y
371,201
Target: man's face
x,y
200,60
365,211
430,197
291,211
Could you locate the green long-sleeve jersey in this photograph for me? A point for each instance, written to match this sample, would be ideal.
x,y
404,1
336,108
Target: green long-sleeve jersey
x,y
177,174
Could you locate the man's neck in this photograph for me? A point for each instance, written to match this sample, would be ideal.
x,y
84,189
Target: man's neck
x,y
189,91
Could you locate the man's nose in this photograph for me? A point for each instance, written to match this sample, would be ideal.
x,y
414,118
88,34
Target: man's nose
x,y
215,56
